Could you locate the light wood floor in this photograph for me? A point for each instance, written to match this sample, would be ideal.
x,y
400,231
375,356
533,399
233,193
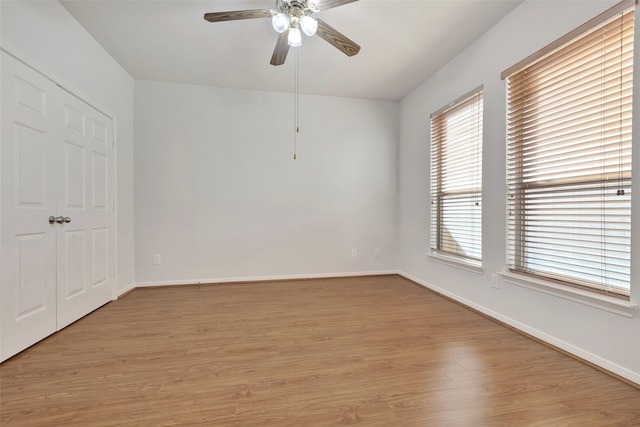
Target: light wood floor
x,y
376,351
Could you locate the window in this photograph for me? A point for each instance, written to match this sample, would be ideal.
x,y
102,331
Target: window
x,y
456,179
569,158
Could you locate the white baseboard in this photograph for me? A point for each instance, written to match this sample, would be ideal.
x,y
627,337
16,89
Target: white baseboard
x,y
121,292
263,278
605,364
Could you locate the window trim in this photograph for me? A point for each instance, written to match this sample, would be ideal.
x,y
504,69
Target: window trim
x,y
607,303
473,266
460,261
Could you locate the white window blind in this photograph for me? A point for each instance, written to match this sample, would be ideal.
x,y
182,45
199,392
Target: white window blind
x,y
456,178
569,160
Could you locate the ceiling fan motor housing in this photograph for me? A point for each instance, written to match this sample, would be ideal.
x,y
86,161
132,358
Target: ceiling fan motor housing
x,y
295,8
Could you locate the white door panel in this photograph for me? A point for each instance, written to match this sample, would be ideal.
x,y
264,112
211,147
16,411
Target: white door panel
x,y
100,257
100,181
28,241
30,273
84,282
75,176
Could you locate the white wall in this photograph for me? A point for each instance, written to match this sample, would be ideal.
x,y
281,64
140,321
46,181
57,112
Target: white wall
x,y
45,35
608,339
219,196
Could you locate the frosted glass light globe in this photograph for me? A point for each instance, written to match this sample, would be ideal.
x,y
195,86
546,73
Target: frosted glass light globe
x,y
309,25
295,38
280,22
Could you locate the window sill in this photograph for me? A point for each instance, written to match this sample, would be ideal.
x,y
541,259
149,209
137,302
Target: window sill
x,y
474,267
602,302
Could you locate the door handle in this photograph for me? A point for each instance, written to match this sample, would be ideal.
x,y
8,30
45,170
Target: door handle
x,y
59,219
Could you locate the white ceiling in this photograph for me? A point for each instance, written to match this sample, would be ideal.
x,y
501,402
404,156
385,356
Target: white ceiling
x,y
403,42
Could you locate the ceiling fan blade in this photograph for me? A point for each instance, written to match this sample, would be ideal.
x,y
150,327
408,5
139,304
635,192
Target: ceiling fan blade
x,y
337,39
328,4
281,49
238,14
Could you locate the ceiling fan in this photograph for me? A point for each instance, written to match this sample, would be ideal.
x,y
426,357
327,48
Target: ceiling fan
x,y
288,19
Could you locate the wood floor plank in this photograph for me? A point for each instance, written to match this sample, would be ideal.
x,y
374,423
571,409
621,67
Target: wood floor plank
x,y
375,351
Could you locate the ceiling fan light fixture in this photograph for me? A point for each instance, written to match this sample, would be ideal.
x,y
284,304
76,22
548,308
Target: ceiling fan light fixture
x,y
290,18
309,25
280,22
295,38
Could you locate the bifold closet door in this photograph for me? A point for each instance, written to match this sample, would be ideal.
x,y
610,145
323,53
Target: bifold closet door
x,y
84,198
57,218
30,146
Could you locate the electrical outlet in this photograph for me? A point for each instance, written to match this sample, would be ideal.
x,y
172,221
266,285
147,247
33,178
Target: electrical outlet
x,y
495,281
376,252
354,253
157,259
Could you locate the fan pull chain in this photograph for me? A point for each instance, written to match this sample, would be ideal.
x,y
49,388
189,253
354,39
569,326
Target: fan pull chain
x,y
296,103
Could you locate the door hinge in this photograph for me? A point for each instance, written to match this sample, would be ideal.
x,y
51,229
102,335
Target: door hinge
x,y
113,205
113,272
113,140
